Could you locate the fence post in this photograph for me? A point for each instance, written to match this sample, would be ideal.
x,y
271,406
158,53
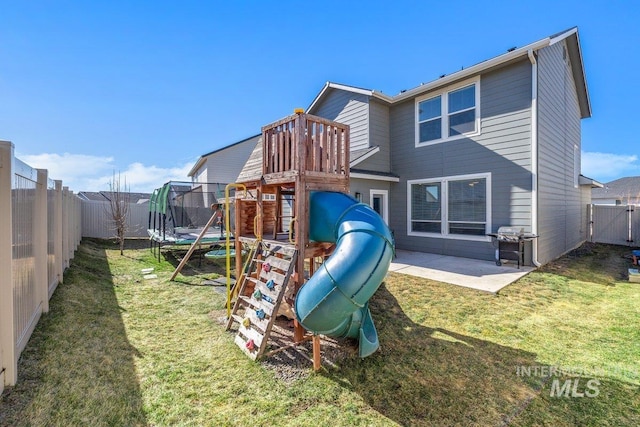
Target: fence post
x,y
74,225
77,218
8,351
78,221
57,234
635,225
590,221
65,227
630,225
40,236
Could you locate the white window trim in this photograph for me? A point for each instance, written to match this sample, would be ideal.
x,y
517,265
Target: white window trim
x,y
385,202
444,223
444,102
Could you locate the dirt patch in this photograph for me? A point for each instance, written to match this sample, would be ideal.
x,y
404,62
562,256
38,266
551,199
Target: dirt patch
x,y
296,363
585,249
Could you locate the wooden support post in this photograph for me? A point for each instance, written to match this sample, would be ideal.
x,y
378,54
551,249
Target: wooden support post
x,y
301,242
259,231
317,362
278,225
298,331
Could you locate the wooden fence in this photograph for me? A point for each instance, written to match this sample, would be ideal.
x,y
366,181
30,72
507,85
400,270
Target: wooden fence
x,y
40,229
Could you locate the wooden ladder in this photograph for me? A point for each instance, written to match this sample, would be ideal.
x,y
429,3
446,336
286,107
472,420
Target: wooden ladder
x,y
270,270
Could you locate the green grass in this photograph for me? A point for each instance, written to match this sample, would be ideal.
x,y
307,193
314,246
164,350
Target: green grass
x,y
117,349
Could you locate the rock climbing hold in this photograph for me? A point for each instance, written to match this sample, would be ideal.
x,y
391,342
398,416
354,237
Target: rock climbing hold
x,y
257,294
246,322
271,284
250,345
266,267
260,314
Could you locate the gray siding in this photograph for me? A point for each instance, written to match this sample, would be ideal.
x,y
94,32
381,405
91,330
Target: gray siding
x,y
349,108
375,163
379,136
559,202
503,148
364,187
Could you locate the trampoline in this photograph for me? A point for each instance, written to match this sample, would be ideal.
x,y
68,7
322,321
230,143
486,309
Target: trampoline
x,y
179,211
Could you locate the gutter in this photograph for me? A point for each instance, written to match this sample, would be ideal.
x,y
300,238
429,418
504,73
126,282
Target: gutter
x,y
534,155
197,166
474,69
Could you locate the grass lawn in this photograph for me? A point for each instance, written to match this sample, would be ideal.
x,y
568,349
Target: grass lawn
x,y
119,350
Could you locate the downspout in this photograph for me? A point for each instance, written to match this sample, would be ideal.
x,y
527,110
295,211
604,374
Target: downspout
x,y
534,155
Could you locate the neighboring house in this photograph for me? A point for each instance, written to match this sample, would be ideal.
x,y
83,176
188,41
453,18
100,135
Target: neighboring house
x,y
494,144
222,166
623,191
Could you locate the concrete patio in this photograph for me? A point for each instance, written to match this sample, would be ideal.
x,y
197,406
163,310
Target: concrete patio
x,y
470,273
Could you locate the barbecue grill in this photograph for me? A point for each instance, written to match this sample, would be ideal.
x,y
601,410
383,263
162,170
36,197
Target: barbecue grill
x,y
510,244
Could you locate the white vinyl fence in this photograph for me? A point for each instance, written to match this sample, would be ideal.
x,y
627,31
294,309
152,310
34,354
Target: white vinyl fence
x,y
616,225
98,222
40,230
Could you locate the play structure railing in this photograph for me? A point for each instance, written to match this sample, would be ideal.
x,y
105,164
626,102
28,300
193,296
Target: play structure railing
x,y
307,144
40,229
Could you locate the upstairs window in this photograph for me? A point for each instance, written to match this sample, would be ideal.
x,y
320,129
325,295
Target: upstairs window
x,y
448,115
462,111
430,117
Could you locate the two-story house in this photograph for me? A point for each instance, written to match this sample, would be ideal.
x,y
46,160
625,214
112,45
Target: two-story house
x,y
494,144
447,162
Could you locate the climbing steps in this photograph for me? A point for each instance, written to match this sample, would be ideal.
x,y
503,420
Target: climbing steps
x,y
260,295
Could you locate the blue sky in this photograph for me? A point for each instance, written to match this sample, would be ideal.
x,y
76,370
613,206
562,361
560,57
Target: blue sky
x,y
144,88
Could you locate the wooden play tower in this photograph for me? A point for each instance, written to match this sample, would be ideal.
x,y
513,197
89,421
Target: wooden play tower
x,y
297,155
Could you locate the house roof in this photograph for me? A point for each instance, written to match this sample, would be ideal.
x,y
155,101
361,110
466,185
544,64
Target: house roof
x,y
203,158
252,169
359,156
105,196
623,188
585,180
94,196
332,85
375,175
573,49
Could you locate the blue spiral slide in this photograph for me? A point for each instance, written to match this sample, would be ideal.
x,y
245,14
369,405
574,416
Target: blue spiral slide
x,y
334,301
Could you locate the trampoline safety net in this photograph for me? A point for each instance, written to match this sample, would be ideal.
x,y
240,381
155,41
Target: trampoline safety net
x,y
178,210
